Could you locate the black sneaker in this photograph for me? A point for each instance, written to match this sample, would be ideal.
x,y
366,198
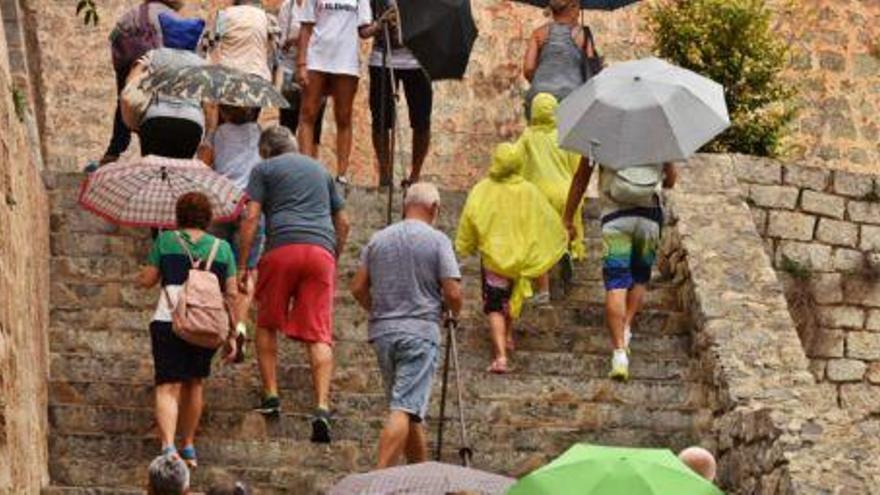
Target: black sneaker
x,y
271,406
321,426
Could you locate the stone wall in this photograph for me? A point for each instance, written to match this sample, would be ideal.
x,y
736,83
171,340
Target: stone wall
x,y
777,430
832,64
822,230
24,291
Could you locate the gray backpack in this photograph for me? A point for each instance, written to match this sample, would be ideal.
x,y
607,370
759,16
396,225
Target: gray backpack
x,y
637,185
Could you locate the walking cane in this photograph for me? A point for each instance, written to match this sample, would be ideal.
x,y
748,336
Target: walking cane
x,y
465,452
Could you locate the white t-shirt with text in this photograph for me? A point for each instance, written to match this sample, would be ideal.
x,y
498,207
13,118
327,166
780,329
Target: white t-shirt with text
x,y
333,47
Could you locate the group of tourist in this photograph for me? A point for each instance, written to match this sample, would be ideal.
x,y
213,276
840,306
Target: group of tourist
x,y
523,219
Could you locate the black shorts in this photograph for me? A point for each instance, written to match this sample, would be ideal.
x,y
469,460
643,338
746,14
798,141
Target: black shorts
x,y
176,360
495,299
170,137
419,97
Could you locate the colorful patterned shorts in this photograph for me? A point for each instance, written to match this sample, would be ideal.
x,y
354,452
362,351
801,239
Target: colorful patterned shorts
x,y
630,239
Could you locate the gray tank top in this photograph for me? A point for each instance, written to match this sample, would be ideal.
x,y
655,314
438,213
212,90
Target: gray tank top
x,y
560,65
169,106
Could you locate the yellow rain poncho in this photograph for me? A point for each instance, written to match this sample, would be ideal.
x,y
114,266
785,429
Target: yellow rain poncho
x,y
548,166
512,226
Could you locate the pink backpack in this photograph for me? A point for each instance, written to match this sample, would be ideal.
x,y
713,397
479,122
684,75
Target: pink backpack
x,y
200,316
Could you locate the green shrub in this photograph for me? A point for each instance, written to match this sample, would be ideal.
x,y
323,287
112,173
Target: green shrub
x,y
733,43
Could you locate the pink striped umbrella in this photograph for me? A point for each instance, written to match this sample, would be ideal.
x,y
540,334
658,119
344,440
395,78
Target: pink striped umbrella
x,y
143,192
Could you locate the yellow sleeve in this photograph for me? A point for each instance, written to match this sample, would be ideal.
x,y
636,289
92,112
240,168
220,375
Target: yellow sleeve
x,y
466,238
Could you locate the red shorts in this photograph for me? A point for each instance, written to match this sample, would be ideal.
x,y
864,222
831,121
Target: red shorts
x,y
295,290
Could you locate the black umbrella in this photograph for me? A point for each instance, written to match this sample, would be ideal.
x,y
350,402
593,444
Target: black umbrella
x,y
586,4
440,33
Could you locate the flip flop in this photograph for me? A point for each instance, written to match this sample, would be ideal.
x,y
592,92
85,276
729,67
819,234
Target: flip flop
x,y
498,367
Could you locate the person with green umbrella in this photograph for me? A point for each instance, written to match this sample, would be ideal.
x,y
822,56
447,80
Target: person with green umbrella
x,y
597,470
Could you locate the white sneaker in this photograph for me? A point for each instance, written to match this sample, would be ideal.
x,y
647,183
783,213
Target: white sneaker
x,y
541,299
619,366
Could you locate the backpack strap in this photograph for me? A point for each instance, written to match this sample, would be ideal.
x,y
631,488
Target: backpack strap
x,y
186,249
214,248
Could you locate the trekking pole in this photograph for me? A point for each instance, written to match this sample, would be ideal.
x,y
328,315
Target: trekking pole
x,y
392,142
438,451
465,452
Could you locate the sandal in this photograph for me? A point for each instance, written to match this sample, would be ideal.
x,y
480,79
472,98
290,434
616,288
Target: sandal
x,y
188,454
498,367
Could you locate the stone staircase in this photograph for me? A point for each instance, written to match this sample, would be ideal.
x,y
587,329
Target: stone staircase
x,y
101,373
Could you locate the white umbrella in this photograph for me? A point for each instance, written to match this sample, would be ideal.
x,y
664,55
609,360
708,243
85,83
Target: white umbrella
x,y
641,112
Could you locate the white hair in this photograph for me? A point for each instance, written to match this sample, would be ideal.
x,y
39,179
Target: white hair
x,y
423,194
168,475
277,140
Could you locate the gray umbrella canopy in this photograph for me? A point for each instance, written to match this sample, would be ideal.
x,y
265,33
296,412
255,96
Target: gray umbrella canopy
x,y
640,112
427,478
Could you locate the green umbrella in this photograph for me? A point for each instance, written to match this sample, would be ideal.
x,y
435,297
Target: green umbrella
x,y
595,470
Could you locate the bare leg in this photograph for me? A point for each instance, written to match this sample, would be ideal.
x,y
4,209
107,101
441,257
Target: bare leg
x,y
167,408
343,89
421,143
416,444
244,301
543,283
615,315
309,110
498,332
267,357
321,358
382,147
191,405
634,299
393,438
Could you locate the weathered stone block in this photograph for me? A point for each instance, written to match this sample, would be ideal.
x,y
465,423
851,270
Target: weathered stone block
x,y
853,185
837,233
827,288
816,257
832,61
866,65
806,177
864,211
827,343
791,225
774,196
870,238
845,370
760,218
861,290
756,170
842,316
827,205
863,345
847,260
873,321
873,374
860,399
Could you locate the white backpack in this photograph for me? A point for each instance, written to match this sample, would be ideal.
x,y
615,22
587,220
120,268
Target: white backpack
x,y
635,186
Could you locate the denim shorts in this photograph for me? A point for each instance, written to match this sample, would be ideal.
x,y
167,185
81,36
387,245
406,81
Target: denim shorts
x,y
407,363
230,232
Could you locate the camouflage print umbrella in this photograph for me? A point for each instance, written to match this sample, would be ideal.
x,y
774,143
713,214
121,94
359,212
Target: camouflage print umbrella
x,y
216,84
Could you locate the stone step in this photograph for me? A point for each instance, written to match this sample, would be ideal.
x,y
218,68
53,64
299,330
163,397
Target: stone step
x,y
354,352
236,397
125,368
92,490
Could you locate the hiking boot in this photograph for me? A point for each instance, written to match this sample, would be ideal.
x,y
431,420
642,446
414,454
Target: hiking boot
x,y
321,426
270,406
619,366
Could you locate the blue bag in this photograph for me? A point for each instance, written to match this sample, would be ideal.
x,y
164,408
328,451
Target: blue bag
x,y
180,33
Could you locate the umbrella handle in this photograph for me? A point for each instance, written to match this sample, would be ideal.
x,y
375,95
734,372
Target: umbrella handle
x,y
465,452
438,452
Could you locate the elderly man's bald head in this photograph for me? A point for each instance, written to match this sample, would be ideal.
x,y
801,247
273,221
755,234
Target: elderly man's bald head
x,y
700,460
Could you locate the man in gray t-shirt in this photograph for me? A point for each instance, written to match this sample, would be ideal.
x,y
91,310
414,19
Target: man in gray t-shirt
x,y
307,228
408,272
